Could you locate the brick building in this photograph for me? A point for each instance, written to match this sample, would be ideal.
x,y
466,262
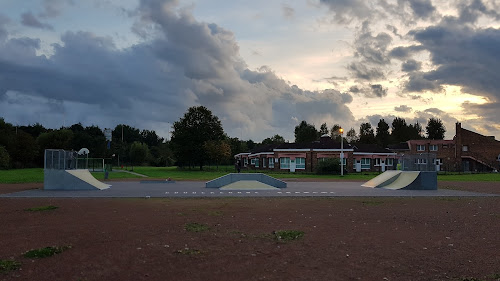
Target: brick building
x,y
467,152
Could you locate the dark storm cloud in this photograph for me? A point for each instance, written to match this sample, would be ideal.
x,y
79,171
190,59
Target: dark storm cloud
x,y
422,8
402,108
28,19
372,49
345,10
463,56
183,63
471,10
411,65
361,71
404,53
371,91
488,111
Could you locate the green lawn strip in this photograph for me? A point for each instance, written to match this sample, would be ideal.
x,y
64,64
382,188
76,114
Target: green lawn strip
x,y
42,208
9,265
45,252
21,175
114,175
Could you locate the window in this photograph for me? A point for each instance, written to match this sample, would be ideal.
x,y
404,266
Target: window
x,y
389,162
378,162
420,161
445,146
257,160
245,161
465,148
263,162
271,162
285,163
252,161
420,147
301,163
365,163
433,147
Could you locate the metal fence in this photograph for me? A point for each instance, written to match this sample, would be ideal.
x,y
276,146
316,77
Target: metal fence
x,y
425,162
59,159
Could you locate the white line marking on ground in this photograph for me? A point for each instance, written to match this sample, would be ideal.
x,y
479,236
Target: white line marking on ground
x,y
176,192
221,192
297,192
280,192
211,193
230,192
256,192
185,192
239,192
315,192
288,192
202,192
248,192
332,192
167,192
306,191
324,192
194,192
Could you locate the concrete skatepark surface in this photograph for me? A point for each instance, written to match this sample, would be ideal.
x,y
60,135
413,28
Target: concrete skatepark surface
x,y
132,189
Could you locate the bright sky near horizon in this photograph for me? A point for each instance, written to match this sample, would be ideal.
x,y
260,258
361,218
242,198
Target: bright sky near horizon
x,y
260,66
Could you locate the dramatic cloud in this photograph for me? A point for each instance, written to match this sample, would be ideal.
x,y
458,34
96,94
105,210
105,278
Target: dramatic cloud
x,y
28,19
372,91
372,49
361,71
411,65
345,10
185,63
422,8
402,108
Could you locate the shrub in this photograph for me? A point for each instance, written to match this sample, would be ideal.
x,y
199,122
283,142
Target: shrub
x,y
9,265
4,158
328,166
45,252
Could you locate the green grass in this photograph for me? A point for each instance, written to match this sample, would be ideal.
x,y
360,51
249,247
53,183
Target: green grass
x,y
42,208
196,227
188,251
45,252
35,175
9,265
288,235
21,175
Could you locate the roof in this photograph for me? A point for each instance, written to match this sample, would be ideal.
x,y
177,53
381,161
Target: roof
x,y
264,148
398,146
370,148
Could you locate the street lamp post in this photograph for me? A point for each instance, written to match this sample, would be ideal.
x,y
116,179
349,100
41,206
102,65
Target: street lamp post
x,y
341,152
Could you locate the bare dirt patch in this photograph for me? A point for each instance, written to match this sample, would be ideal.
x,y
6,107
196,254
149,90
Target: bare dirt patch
x,y
16,187
475,186
344,238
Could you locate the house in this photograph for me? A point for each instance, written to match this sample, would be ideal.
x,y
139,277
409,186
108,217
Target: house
x,y
297,157
467,151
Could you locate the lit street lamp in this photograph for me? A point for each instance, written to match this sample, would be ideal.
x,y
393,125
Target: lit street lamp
x,y
341,131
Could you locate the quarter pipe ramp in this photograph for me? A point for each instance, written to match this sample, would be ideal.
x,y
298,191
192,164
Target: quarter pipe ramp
x,y
413,180
80,179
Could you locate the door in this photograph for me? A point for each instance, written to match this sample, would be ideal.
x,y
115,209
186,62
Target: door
x,y
382,165
438,165
292,165
358,165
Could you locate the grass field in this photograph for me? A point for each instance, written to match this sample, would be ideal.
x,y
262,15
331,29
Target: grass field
x,y
36,175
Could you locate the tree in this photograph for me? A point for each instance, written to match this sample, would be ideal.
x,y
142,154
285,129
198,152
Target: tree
x,y
4,158
415,131
435,129
399,130
366,134
24,152
335,132
58,139
323,130
150,138
305,132
190,133
276,139
217,151
138,153
250,144
383,136
352,136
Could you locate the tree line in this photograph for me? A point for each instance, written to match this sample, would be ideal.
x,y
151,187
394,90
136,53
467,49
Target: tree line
x,y
197,140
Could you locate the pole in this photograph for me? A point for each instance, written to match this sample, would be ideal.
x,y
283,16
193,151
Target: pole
x,y
341,152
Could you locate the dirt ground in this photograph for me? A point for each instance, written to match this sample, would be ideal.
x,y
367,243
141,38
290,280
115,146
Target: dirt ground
x,y
345,238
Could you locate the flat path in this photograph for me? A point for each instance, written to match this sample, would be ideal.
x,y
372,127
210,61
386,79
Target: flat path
x,y
131,189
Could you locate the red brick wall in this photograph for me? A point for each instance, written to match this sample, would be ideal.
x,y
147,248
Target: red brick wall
x,y
483,148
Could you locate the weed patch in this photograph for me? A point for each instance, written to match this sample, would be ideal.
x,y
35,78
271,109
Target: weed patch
x,y
45,252
216,213
9,265
42,208
196,227
188,252
288,235
372,203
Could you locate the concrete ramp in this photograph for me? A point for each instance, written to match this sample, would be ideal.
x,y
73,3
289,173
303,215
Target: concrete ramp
x,y
71,180
248,185
385,178
411,180
235,177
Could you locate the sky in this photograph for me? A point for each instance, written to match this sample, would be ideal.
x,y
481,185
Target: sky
x,y
260,66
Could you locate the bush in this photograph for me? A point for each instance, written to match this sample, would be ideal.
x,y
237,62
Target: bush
x,y
328,166
4,158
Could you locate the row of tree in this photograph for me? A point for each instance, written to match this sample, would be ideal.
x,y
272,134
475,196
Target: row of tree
x,y
383,134
197,139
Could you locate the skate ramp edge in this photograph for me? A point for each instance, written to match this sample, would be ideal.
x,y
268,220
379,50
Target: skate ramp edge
x,y
413,180
383,179
71,180
234,177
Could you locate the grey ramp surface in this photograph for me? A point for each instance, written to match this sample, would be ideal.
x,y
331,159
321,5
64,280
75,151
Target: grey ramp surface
x,y
189,189
71,180
383,179
234,177
415,181
248,185
402,180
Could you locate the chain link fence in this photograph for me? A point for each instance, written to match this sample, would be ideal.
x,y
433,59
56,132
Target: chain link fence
x,y
424,162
